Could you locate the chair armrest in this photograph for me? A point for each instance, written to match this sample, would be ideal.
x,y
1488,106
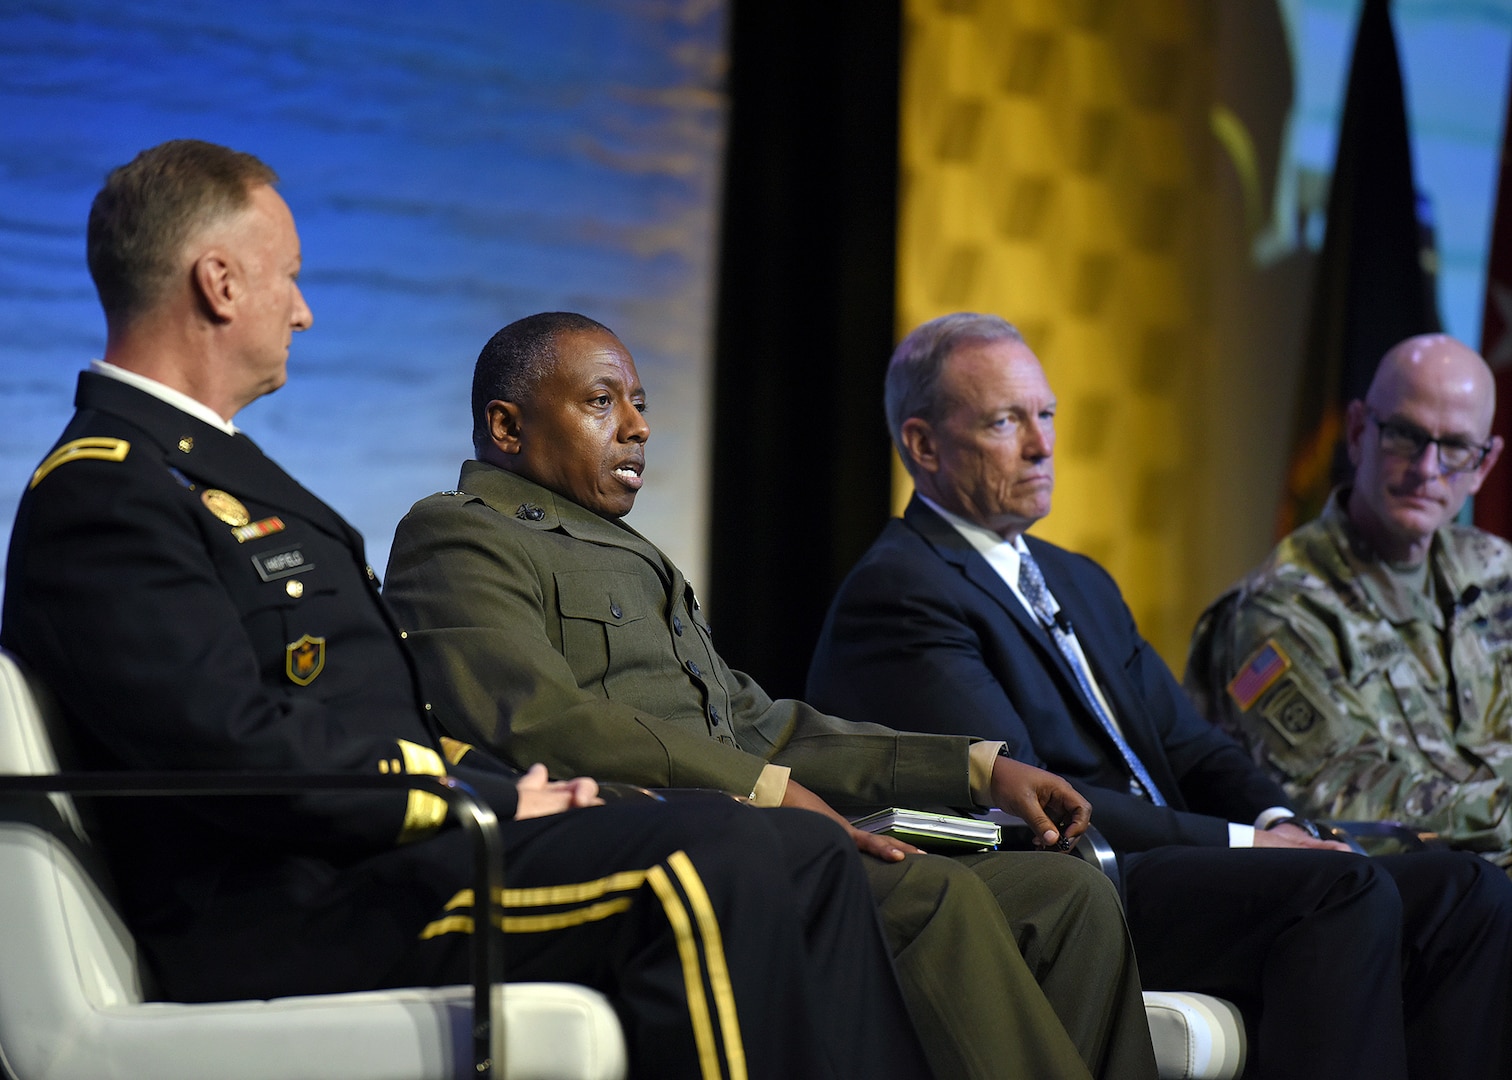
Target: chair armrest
x,y
1092,845
482,825
619,791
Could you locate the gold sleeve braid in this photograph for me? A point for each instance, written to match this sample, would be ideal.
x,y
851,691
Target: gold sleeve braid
x,y
454,749
425,811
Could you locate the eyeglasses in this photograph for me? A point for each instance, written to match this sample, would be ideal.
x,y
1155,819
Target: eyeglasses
x,y
1404,440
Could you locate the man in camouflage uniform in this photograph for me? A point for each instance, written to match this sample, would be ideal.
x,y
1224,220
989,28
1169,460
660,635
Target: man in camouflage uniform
x,y
1368,660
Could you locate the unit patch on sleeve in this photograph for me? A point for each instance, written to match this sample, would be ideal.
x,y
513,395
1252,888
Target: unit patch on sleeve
x,y
304,659
1258,675
1291,713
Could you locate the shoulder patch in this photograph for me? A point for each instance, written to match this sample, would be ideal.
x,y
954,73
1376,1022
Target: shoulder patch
x,y
96,449
1291,713
1259,674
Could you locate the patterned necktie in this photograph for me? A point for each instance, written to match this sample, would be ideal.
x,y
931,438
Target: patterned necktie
x,y
1032,585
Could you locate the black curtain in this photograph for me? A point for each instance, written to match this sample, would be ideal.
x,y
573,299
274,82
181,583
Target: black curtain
x,y
804,320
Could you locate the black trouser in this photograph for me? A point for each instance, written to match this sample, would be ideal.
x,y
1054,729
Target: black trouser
x,y
765,914
1343,966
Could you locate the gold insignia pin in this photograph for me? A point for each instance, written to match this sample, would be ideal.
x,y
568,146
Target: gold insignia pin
x,y
295,588
304,659
225,506
186,444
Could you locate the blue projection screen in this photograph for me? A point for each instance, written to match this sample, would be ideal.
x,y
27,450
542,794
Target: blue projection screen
x,y
451,167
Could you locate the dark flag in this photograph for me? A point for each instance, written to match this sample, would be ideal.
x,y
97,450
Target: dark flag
x,y
1375,283
1493,504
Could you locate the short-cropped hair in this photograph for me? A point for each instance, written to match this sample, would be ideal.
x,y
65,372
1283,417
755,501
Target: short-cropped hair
x,y
516,359
148,209
913,373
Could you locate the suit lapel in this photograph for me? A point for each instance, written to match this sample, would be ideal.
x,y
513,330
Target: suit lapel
x,y
958,552
1134,720
1106,668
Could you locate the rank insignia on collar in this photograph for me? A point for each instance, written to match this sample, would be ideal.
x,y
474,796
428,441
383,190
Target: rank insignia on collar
x,y
304,659
529,512
225,506
265,527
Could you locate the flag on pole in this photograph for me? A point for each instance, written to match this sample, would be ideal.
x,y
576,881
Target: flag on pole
x,y
1493,504
1375,281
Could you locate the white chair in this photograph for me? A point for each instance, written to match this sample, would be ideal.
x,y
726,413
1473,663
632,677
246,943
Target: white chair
x,y
71,1001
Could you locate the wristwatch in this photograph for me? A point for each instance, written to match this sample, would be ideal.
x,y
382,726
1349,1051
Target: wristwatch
x,y
1307,825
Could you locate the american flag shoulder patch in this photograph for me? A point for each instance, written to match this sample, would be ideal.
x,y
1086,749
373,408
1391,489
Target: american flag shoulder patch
x,y
1258,674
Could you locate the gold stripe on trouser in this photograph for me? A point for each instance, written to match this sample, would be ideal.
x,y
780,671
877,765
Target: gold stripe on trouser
x,y
714,959
543,896
596,903
687,951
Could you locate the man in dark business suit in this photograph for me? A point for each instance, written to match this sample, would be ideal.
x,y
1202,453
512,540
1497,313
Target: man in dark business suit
x,y
955,620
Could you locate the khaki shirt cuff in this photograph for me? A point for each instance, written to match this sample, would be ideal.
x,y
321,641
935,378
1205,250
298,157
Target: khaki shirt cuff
x,y
982,756
771,785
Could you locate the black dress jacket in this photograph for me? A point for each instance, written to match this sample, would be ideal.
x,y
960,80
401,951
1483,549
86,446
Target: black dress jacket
x,y
193,607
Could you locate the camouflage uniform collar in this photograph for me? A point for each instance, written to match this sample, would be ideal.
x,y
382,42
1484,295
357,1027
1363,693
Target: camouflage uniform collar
x,y
1380,588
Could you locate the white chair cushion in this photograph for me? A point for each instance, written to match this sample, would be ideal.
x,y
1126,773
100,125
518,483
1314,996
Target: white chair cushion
x,y
1196,1036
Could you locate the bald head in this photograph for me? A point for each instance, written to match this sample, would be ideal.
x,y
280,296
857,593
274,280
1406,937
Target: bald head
x,y
1420,443
1436,368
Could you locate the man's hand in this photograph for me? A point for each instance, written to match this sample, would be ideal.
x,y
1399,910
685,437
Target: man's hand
x,y
1291,836
540,796
1049,805
883,847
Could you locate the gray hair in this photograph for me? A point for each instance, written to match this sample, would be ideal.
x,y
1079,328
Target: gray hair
x,y
913,373
149,208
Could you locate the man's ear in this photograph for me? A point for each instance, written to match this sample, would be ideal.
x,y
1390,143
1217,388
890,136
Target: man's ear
x,y
919,444
504,426
1354,428
215,285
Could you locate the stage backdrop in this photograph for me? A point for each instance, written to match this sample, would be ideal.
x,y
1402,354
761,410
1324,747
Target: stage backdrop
x,y
1142,187
451,167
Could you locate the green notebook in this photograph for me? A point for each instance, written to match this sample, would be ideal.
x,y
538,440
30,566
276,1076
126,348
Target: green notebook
x,y
932,832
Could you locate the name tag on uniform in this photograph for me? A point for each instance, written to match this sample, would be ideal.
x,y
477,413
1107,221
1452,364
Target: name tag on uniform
x,y
272,565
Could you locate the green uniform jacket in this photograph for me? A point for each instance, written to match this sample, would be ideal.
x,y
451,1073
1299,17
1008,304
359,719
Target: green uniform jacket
x,y
563,637
1368,699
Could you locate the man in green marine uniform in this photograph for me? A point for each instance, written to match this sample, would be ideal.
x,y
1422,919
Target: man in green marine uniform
x,y
1368,661
556,633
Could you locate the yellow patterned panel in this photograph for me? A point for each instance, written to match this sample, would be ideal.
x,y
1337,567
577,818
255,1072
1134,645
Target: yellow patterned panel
x,y
1054,157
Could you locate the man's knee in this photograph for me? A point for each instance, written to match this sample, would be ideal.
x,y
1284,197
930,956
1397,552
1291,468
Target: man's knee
x,y
1452,888
928,889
